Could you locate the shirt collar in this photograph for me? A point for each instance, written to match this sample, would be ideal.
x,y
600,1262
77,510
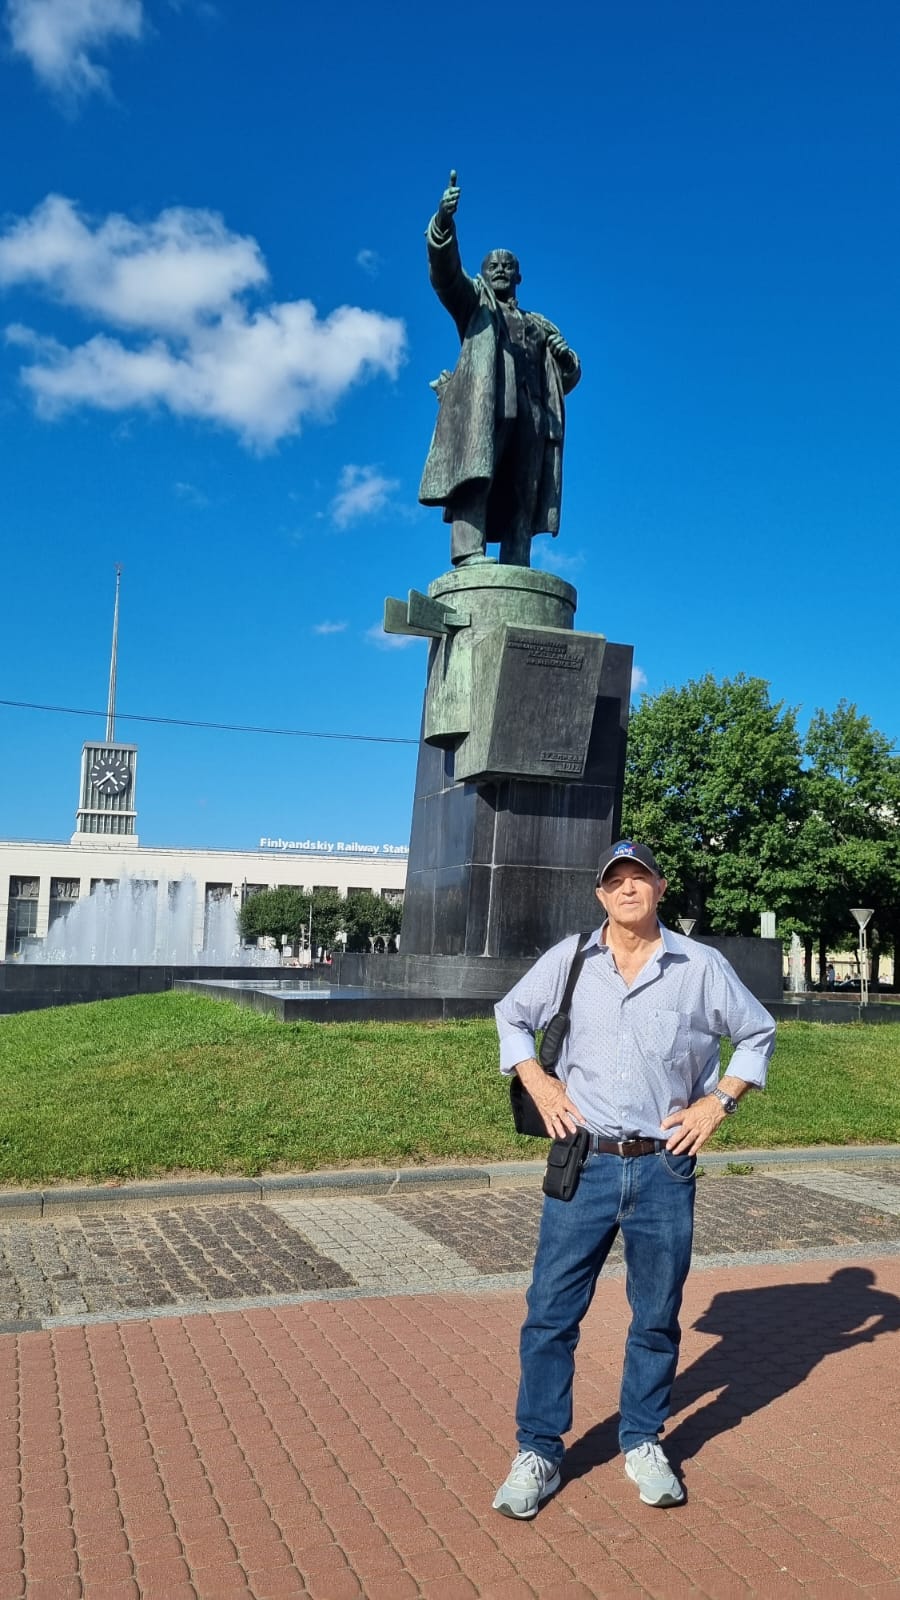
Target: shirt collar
x,y
668,946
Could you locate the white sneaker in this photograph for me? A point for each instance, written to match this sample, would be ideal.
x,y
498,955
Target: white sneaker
x,y
646,1465
531,1479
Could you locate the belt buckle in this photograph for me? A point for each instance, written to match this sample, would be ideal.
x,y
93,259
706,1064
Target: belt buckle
x,y
621,1146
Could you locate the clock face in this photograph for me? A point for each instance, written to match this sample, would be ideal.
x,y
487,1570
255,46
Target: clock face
x,y
110,774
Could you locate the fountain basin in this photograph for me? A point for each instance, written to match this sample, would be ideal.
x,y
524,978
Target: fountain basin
x,y
313,1000
30,986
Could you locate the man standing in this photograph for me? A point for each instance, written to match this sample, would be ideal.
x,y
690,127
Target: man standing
x,y
639,1069
495,462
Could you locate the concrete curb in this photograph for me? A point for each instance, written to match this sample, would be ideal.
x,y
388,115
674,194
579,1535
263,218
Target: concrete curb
x,y
17,1205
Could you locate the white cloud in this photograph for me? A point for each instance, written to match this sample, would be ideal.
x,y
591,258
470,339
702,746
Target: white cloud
x,y
191,494
166,275
200,8
178,284
363,492
370,261
547,557
329,627
59,38
638,680
390,641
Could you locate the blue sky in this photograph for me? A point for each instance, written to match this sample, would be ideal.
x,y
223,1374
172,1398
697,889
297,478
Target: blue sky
x,y
218,335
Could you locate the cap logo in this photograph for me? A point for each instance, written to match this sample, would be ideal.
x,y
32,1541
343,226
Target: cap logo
x,y
624,850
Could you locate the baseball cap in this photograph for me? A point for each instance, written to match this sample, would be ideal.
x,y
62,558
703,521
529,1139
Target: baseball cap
x,y
626,851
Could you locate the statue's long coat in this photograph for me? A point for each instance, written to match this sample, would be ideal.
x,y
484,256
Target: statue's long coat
x,y
482,391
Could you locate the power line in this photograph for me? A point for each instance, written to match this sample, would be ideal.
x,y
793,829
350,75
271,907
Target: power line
x,y
219,727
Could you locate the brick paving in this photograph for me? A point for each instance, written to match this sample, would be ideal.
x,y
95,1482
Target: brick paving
x,y
347,1442
347,1448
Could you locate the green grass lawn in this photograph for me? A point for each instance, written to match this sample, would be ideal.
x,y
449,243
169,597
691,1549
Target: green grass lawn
x,y
176,1083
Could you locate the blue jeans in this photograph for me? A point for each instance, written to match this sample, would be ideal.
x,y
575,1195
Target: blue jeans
x,y
651,1198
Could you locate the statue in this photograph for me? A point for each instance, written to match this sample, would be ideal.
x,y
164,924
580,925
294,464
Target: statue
x,y
495,462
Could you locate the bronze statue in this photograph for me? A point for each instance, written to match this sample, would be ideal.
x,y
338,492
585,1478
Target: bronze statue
x,y
495,462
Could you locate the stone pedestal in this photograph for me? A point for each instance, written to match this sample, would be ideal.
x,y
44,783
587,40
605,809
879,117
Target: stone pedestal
x,y
521,765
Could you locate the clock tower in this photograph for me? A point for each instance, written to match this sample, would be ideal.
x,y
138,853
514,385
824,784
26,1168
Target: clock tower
x,y
107,805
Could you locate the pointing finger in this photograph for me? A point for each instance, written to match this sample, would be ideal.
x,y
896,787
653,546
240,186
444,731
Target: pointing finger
x,y
452,177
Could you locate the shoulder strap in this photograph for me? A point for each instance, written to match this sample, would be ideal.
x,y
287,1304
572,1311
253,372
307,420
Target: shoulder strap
x,y
558,1027
575,970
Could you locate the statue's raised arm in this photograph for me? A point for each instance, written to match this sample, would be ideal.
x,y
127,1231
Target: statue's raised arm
x,y
452,285
449,202
495,463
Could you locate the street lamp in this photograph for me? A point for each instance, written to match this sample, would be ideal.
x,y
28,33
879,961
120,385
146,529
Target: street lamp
x,y
687,925
863,916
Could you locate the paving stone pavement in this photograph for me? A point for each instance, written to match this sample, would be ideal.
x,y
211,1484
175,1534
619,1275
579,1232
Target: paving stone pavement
x,y
349,1450
99,1263
117,1262
880,1189
374,1245
736,1216
339,1432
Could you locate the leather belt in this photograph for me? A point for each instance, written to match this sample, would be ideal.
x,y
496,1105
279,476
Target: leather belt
x,y
625,1147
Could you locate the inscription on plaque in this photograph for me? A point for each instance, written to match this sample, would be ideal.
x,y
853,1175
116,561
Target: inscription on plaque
x,y
564,760
534,688
548,655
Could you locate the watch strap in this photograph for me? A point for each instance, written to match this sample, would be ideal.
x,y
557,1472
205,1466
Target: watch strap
x,y
727,1101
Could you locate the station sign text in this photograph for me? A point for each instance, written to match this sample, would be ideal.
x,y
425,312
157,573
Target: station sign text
x,y
330,847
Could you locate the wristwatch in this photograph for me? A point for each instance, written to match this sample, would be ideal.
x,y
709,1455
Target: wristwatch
x,y
727,1101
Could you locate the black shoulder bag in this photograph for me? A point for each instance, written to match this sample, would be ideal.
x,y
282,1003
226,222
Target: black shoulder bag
x,y
525,1113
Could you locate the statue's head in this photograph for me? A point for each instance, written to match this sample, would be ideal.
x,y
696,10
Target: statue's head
x,y
500,270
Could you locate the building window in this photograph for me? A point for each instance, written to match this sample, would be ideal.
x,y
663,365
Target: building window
x,y
325,888
356,889
216,894
394,895
21,918
64,893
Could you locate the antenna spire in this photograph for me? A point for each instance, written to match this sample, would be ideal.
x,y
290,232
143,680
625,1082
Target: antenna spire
x,y
113,665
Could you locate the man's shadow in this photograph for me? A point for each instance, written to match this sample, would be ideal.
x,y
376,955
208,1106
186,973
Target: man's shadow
x,y
769,1342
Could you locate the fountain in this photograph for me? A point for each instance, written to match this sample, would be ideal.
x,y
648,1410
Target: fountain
x,y
796,967
140,922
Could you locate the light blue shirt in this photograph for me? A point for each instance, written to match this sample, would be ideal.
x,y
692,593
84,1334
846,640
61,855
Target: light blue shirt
x,y
635,1055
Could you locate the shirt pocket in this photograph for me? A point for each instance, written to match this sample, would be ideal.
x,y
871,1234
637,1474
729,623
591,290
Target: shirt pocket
x,y
667,1035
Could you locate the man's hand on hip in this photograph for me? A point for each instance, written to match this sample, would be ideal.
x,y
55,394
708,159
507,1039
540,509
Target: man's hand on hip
x,y
694,1125
559,1114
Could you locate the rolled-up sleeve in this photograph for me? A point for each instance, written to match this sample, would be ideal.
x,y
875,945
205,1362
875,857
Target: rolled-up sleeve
x,y
741,1018
531,1003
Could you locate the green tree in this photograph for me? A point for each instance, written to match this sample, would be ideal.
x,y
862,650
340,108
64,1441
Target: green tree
x,y
852,783
713,782
369,916
329,917
275,912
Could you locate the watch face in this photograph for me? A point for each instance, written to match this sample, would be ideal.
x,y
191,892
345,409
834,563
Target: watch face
x,y
110,774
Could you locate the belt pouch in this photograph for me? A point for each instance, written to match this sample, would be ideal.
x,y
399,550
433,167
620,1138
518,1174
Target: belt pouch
x,y
564,1163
